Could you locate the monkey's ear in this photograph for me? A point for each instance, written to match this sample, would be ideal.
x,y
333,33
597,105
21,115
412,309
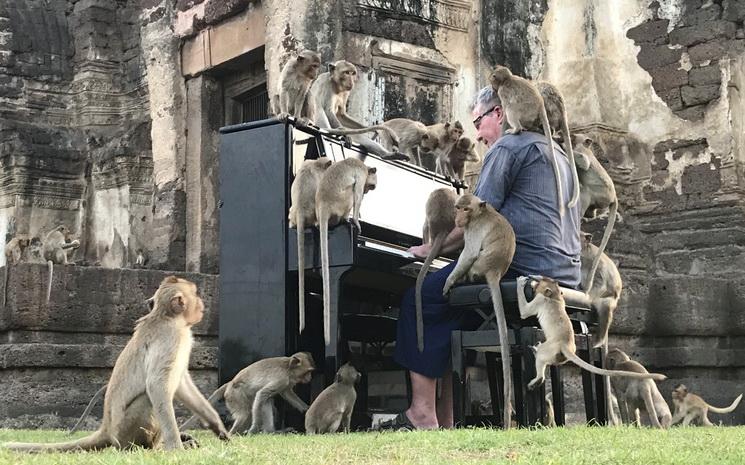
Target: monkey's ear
x,y
294,361
587,142
178,304
300,58
337,378
328,163
372,170
331,67
482,204
587,236
425,136
150,303
548,292
447,125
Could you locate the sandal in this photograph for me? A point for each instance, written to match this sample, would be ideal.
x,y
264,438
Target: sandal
x,y
400,423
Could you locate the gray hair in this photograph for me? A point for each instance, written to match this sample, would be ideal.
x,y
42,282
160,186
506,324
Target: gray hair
x,y
487,98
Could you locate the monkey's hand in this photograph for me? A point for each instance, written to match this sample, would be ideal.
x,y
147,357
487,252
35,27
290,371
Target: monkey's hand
x,y
303,121
75,244
397,156
357,225
282,117
223,435
448,284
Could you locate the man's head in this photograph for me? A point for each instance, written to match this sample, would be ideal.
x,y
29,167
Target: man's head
x,y
487,115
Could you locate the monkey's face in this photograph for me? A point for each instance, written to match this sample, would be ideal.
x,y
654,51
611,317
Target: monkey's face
x,y
24,242
466,207
310,64
372,180
301,367
679,392
347,374
345,75
499,76
548,288
455,131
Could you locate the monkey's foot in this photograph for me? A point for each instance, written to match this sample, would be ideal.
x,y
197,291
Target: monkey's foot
x,y
535,383
188,441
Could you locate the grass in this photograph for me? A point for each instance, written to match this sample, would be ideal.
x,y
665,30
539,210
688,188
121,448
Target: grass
x,y
575,446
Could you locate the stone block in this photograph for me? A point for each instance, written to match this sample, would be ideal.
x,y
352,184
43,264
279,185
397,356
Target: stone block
x,y
702,15
215,11
734,10
668,77
697,95
695,113
671,98
709,51
648,31
655,56
703,178
705,75
692,35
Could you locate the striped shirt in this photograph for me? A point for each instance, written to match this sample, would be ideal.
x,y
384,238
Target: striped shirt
x,y
517,179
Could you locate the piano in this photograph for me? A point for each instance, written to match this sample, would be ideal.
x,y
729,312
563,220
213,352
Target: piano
x,y
258,250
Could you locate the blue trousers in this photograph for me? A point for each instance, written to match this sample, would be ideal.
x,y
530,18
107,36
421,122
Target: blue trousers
x,y
439,321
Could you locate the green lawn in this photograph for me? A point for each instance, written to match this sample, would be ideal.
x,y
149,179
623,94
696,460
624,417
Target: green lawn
x,y
580,445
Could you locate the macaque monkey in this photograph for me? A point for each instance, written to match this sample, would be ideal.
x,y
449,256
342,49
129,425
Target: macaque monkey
x,y
605,291
487,252
149,374
636,394
523,109
302,214
597,192
557,120
463,151
559,348
249,394
54,248
446,136
333,406
140,259
15,248
339,193
689,407
294,87
414,138
439,221
330,93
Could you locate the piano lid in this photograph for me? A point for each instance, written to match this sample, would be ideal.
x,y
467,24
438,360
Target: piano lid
x,y
398,201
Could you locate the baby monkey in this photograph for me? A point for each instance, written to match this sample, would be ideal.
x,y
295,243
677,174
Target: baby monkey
x,y
548,305
333,407
690,407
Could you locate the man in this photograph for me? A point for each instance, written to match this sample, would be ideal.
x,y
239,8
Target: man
x,y
517,179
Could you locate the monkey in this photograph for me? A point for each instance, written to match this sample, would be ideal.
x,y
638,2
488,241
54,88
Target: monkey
x,y
339,193
523,107
303,213
54,250
333,406
557,120
249,394
14,251
463,151
330,93
597,192
447,136
294,87
489,245
550,418
414,138
439,221
559,348
140,259
689,407
605,291
636,394
148,375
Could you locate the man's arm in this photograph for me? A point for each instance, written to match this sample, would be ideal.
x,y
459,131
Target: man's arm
x,y
453,241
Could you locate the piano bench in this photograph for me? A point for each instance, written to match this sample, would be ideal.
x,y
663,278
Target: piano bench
x,y
530,406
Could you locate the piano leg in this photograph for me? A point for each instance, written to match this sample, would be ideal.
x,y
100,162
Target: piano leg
x,y
332,349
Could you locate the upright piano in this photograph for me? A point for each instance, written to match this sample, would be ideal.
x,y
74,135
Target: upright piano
x,y
258,250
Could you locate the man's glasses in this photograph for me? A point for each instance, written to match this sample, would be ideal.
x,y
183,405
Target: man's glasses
x,y
477,121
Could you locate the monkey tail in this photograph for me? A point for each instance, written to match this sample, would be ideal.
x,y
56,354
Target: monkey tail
x,y
726,409
434,252
50,267
6,278
301,271
323,223
603,243
97,440
570,150
600,371
492,279
88,409
554,160
217,395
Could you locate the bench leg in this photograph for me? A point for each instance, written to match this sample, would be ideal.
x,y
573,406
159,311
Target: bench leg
x,y
557,393
459,380
496,383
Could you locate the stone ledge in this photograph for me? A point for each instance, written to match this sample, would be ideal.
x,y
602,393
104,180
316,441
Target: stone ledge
x,y
92,299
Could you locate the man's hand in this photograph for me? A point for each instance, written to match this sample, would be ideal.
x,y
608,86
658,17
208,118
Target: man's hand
x,y
420,251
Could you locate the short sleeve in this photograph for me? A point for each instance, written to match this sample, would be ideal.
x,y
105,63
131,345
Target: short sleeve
x,y
497,176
